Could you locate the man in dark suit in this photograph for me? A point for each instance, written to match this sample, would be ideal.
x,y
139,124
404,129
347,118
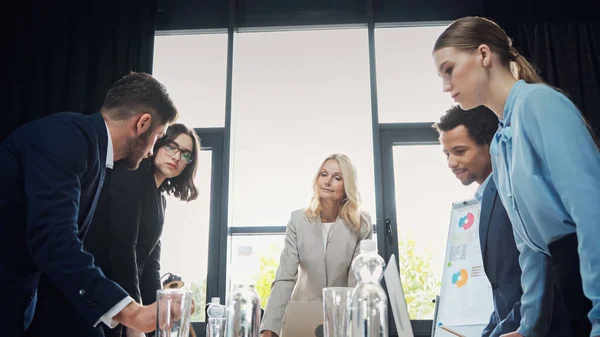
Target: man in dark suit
x,y
51,172
465,137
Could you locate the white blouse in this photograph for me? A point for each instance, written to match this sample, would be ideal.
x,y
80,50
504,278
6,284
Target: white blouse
x,y
326,230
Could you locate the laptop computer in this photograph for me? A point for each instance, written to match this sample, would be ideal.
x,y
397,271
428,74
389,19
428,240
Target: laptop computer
x,y
303,319
396,299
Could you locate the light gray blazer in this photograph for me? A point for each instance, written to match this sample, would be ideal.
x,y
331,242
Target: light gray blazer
x,y
304,268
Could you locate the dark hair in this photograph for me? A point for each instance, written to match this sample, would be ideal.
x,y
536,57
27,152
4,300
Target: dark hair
x,y
136,93
481,123
470,32
182,186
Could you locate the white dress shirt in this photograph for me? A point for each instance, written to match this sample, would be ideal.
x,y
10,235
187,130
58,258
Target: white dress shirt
x,y
107,318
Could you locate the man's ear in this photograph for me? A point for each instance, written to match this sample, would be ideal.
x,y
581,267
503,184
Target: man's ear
x,y
143,124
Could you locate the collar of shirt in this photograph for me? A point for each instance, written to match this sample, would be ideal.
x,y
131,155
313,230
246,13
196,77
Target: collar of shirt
x,y
110,159
510,101
504,132
479,192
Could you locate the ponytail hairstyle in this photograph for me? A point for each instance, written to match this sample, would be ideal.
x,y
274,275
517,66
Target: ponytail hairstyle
x,y
470,32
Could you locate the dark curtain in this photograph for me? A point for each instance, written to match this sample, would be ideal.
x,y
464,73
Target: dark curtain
x,y
562,39
64,55
567,56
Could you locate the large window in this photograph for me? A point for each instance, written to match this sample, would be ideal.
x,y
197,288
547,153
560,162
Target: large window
x,y
298,96
425,190
184,249
408,87
259,262
193,68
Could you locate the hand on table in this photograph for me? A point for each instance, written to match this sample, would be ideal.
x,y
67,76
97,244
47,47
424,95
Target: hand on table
x,y
138,317
142,318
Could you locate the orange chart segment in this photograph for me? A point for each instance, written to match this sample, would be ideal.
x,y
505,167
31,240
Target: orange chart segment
x,y
460,278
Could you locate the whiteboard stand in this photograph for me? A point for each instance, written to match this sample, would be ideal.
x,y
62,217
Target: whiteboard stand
x,y
435,312
465,289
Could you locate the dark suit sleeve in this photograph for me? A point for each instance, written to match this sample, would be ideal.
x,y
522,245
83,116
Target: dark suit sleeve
x,y
53,165
125,189
150,282
510,323
491,325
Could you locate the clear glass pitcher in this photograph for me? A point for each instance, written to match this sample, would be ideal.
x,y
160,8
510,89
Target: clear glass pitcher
x,y
336,306
174,308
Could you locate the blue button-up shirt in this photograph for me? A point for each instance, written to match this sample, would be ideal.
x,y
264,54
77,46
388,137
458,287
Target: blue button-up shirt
x,y
481,189
547,168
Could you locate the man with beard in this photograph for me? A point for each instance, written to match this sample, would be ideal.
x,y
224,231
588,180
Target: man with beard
x,y
51,174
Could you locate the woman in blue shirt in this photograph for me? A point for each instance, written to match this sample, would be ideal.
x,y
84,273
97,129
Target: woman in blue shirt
x,y
546,165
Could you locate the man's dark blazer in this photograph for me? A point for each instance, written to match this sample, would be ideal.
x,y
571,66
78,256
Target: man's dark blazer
x,y
501,264
125,232
51,172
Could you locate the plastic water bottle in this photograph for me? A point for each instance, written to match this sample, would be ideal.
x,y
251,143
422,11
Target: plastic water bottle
x,y
243,303
368,308
215,313
243,312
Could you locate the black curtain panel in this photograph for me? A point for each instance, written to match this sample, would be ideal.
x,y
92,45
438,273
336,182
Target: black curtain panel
x,y
562,38
64,55
567,56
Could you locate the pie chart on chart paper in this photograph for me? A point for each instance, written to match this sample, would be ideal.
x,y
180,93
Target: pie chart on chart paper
x,y
466,221
460,278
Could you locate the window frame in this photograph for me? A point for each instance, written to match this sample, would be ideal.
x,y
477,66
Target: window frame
x,y
385,136
394,134
212,139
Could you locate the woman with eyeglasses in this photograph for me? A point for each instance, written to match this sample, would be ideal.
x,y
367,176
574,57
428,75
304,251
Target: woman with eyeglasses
x,y
125,233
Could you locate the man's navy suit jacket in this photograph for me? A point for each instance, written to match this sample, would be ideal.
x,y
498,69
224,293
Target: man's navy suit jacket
x,y
51,172
501,264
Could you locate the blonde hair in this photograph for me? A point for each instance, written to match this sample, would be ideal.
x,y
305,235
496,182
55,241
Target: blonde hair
x,y
350,206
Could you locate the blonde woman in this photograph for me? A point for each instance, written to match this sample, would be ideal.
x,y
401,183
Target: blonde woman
x,y
320,242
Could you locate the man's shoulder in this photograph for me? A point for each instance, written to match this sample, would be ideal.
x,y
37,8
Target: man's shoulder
x,y
54,127
68,138
59,118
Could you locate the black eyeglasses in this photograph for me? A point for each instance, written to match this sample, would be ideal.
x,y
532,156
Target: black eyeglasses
x,y
172,148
